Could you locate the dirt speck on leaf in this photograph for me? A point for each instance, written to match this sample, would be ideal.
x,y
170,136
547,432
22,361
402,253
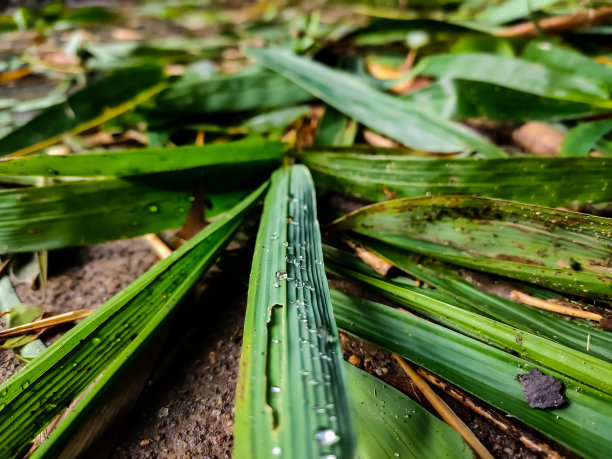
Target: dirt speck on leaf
x,y
542,391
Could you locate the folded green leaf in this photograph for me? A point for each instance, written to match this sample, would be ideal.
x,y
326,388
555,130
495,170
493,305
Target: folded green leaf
x,y
103,341
567,181
563,251
463,286
89,212
390,424
447,311
514,73
462,99
251,89
567,60
291,399
400,120
580,140
97,103
583,425
144,161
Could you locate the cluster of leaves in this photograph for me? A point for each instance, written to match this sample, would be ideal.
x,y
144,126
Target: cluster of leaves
x,y
421,113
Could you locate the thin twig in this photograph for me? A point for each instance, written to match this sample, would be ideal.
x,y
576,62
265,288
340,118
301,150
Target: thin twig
x,y
5,263
501,422
378,264
159,246
46,323
558,24
529,300
445,411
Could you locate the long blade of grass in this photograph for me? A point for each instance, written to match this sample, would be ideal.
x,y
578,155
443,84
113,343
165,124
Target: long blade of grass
x,y
89,212
97,103
514,73
564,251
254,88
575,364
567,181
106,339
390,424
145,160
582,425
291,400
400,120
461,99
567,60
577,334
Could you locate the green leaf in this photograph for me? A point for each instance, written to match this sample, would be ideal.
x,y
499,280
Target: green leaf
x,y
291,399
251,89
583,425
482,44
462,99
447,311
563,251
580,140
513,73
382,31
390,424
106,339
90,212
567,60
335,129
462,286
277,120
22,314
97,103
145,160
32,350
566,181
511,10
400,120
9,301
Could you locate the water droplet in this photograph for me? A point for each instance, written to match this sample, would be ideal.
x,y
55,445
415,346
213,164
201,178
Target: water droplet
x,y
276,285
275,390
281,275
274,236
25,385
326,437
277,451
275,341
153,209
3,393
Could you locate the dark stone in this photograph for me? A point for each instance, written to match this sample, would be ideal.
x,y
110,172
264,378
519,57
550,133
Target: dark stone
x,y
542,391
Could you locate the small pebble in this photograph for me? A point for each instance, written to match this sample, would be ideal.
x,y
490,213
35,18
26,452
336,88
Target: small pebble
x,y
145,442
354,360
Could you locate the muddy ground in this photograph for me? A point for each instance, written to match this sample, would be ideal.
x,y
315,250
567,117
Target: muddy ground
x,y
186,408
